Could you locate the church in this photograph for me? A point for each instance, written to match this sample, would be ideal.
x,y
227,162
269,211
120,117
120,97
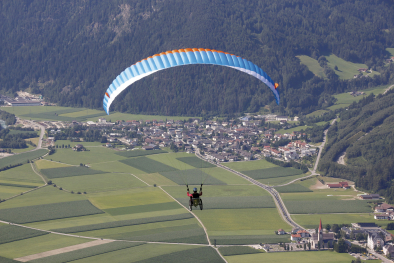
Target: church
x,y
326,240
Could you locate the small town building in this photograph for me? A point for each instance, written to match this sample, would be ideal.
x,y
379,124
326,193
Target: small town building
x,y
339,185
371,196
325,240
295,237
375,240
388,250
281,232
384,208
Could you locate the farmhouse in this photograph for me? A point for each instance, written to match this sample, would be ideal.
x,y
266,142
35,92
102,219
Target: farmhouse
x,y
384,208
281,232
339,185
371,196
295,237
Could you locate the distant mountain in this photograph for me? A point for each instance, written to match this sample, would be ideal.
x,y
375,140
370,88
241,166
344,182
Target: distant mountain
x,y
366,134
72,50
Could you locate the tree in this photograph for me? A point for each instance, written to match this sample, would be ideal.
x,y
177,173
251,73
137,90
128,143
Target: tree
x,y
390,226
309,245
291,248
341,246
328,227
304,246
335,228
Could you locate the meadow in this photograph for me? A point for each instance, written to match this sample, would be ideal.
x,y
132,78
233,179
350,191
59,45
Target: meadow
x,y
312,65
196,162
272,172
86,252
238,250
22,158
233,202
345,99
45,212
327,206
250,165
391,51
148,165
137,153
142,208
191,177
70,171
346,69
11,233
281,180
292,188
23,175
302,256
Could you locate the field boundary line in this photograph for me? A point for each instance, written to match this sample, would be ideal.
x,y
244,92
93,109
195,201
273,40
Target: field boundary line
x,y
36,172
140,179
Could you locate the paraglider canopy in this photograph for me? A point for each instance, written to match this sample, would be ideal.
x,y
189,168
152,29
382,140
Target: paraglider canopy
x,y
183,57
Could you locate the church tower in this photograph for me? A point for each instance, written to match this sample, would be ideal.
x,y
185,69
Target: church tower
x,y
320,232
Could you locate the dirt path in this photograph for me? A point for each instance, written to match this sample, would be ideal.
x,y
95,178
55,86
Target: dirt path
x,y
63,250
388,89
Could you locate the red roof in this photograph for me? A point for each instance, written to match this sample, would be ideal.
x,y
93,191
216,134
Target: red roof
x,y
320,226
296,235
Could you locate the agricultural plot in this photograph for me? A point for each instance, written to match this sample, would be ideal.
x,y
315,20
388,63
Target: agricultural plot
x,y
305,257
195,162
137,153
346,69
233,202
94,155
99,182
115,167
313,65
249,239
194,255
272,172
59,116
148,165
11,233
23,175
9,191
171,159
281,180
86,252
62,172
60,143
46,164
250,165
327,206
312,221
240,250
225,176
38,244
191,177
7,260
142,208
45,212
45,195
116,224
391,51
156,179
125,198
292,188
21,158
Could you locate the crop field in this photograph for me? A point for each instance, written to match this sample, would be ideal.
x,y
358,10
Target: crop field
x,y
47,164
327,206
116,224
312,65
94,155
45,212
60,143
62,172
250,165
298,128
38,244
9,191
142,208
345,99
171,159
195,162
233,202
292,188
156,178
223,220
249,239
86,252
137,153
280,180
21,158
302,256
272,172
312,221
133,197
115,167
225,176
240,250
148,165
11,233
98,182
191,177
23,174
7,260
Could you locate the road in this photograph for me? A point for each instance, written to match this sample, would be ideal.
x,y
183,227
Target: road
x,y
388,89
42,129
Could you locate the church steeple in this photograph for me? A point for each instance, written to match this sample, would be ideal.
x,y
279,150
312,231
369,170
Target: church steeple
x,y
320,232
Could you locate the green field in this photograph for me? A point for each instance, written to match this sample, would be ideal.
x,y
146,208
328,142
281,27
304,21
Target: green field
x,y
156,178
191,177
250,165
70,171
86,252
37,245
249,239
137,153
346,69
72,144
240,250
281,180
225,176
142,208
291,130
47,164
45,212
196,162
171,159
312,221
11,233
327,206
98,182
23,174
78,114
148,165
21,158
345,99
292,188
302,256
312,65
233,202
115,167
272,172
391,51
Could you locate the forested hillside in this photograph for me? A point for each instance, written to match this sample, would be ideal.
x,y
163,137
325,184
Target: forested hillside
x,y
72,50
366,133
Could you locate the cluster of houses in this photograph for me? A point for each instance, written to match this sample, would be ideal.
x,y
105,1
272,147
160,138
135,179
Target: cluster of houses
x,y
384,211
233,140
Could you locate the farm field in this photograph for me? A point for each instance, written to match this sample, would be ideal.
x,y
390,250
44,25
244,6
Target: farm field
x,y
171,159
281,180
312,65
69,171
191,177
59,143
316,113
79,114
37,245
47,164
292,188
272,172
390,50
345,99
225,176
250,165
23,174
148,165
346,69
137,153
21,158
305,257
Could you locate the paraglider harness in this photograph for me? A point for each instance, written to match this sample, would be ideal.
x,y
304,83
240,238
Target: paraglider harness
x,y
195,199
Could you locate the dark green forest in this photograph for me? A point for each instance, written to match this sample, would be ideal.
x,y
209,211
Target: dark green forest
x,y
70,51
365,131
